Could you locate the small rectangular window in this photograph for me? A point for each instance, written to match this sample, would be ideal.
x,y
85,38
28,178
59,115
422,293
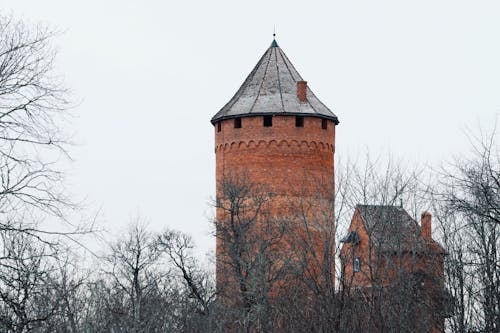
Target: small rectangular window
x,y
237,122
356,265
219,127
299,121
324,124
268,121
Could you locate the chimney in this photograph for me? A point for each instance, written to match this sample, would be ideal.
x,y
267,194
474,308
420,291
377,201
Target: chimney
x,y
426,226
302,91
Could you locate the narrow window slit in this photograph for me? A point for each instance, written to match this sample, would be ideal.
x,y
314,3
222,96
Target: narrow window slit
x,y
324,124
237,123
299,121
268,121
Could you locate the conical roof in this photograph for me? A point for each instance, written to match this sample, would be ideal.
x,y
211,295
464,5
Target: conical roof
x,y
271,89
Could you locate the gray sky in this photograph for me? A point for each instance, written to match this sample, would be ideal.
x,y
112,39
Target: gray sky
x,y
402,76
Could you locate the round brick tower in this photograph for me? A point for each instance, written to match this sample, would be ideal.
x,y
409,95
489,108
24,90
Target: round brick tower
x,y
278,135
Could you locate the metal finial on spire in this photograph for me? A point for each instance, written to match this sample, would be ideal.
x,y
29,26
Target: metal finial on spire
x,y
274,43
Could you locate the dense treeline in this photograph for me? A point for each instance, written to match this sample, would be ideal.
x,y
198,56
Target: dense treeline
x,y
153,282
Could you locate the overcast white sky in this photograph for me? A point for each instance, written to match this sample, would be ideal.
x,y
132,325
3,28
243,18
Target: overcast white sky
x,y
402,76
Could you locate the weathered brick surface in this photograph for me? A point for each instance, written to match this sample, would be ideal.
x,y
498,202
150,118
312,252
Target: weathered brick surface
x,y
281,157
293,163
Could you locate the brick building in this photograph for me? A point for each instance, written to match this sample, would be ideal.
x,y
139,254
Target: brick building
x,y
392,264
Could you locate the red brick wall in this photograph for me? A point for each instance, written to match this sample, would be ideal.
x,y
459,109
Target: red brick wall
x,y
290,162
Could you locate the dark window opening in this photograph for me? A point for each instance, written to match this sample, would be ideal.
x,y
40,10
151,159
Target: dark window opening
x,y
237,123
268,121
324,123
356,265
219,127
299,121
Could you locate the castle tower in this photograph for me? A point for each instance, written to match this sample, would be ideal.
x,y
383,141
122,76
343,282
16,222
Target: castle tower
x,y
278,135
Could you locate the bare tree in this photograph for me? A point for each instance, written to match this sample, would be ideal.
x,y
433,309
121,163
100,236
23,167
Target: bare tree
x,y
196,285
132,270
70,283
27,293
469,201
310,301
252,260
32,106
178,248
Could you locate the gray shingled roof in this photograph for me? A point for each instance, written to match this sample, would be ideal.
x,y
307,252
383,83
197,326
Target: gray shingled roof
x,y
271,89
392,229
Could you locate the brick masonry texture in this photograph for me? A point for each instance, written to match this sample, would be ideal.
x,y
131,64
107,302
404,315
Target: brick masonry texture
x,y
293,163
285,158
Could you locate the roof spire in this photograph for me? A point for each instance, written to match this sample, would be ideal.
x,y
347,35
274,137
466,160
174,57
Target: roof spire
x,y
271,89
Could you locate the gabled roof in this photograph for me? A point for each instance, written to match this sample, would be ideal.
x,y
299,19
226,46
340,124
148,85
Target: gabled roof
x,y
271,89
392,229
